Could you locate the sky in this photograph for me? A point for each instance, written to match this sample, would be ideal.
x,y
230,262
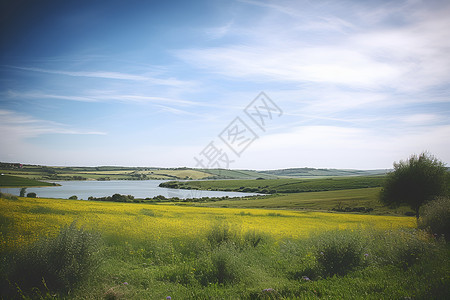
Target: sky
x,y
247,84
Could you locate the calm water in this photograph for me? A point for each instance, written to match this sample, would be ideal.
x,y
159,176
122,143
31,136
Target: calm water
x,y
137,188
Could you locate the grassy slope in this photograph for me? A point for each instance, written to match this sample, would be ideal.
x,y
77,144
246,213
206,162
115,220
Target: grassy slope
x,y
237,174
285,185
308,172
326,200
16,181
118,173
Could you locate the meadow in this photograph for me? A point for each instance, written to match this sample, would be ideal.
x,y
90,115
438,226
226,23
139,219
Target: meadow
x,y
363,200
152,251
281,185
16,181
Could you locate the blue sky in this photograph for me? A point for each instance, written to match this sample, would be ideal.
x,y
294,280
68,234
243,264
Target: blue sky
x,y
360,84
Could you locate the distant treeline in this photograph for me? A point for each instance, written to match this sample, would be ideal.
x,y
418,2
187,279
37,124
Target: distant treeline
x,y
161,198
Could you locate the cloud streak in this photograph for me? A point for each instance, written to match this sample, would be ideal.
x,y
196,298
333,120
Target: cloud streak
x,y
18,126
111,75
409,57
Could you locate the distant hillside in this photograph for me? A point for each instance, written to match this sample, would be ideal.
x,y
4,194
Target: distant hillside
x,y
236,174
145,173
311,172
16,181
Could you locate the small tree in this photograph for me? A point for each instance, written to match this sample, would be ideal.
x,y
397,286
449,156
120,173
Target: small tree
x,y
22,192
414,182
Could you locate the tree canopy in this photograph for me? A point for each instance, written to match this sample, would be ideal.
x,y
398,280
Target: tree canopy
x,y
415,181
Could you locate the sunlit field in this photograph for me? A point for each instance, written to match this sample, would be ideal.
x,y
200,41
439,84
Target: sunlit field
x,y
35,216
76,249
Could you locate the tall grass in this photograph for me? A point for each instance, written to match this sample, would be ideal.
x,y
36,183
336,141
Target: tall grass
x,y
56,263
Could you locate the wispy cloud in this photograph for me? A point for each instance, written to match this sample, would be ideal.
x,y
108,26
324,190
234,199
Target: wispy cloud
x,y
219,32
111,75
14,125
407,57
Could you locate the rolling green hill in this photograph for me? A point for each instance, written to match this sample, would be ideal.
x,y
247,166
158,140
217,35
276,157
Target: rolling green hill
x,y
16,181
311,172
282,185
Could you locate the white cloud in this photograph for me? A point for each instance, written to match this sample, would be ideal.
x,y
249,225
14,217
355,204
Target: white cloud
x,y
344,147
113,75
421,119
15,126
409,56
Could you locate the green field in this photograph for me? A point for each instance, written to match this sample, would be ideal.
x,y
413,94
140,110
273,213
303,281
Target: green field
x,y
142,173
353,200
282,185
16,181
144,251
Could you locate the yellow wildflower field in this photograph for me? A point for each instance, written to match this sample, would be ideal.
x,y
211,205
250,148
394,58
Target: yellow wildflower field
x,y
28,218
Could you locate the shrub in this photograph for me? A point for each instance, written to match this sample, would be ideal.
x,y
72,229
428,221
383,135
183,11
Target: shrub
x,y
226,268
220,233
403,248
338,252
31,195
254,238
436,217
58,263
74,197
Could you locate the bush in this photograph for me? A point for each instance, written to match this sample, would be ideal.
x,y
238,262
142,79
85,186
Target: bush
x,y
220,233
403,248
31,195
224,266
74,197
56,263
254,238
338,252
436,217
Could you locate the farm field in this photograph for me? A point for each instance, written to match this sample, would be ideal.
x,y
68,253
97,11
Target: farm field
x,y
154,251
142,173
364,200
36,216
16,181
282,185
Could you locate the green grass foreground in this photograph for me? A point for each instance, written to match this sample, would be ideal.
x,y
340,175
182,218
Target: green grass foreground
x,y
220,259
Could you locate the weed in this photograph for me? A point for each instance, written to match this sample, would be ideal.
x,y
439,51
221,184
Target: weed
x,y
339,252
61,261
220,233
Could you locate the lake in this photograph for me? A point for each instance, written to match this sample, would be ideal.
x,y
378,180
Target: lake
x,y
137,188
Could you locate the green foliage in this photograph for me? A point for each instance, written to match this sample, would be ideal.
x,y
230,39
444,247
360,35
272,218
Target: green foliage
x,y
339,252
436,217
254,238
23,192
222,265
55,263
403,248
415,182
220,233
31,195
226,267
74,197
